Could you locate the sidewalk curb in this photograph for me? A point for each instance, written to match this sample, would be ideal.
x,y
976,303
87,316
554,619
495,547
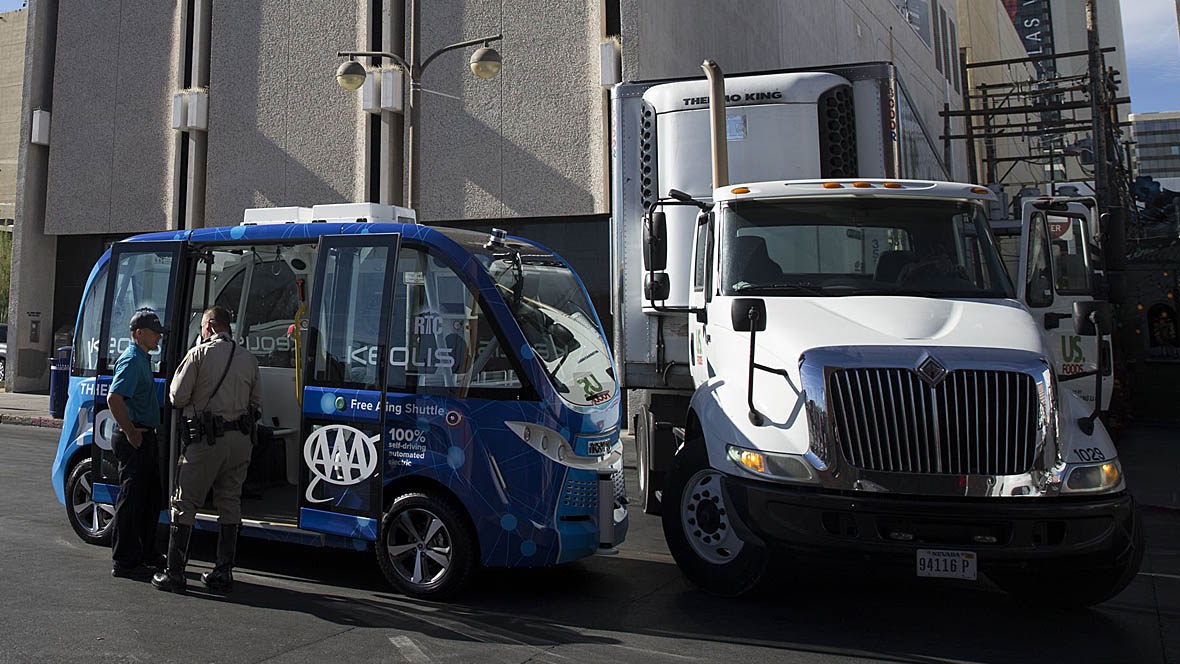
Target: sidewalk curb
x,y
30,421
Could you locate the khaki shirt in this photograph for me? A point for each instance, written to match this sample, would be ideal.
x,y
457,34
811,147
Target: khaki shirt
x,y
201,369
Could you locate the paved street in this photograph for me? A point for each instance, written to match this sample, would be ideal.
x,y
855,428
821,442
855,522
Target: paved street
x,y
297,604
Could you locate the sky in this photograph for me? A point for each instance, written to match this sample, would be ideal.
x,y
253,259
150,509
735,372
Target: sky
x,y
1153,52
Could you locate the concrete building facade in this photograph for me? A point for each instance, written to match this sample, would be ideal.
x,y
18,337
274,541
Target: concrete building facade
x,y
1157,145
13,26
530,148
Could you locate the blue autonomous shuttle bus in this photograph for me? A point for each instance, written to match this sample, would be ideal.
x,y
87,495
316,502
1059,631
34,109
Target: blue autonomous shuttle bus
x,y
445,398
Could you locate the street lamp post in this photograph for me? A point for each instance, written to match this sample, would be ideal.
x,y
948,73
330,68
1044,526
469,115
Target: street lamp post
x,y
485,63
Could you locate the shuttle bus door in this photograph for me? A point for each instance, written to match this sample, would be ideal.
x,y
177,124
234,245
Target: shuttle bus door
x,y
344,429
141,275
1056,271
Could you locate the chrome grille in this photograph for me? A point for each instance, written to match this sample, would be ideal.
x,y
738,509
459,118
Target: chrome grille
x,y
973,422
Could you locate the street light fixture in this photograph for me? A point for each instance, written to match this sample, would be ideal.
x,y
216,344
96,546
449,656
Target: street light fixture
x,y
350,75
485,64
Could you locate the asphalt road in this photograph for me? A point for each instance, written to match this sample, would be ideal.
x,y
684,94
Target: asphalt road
x,y
59,603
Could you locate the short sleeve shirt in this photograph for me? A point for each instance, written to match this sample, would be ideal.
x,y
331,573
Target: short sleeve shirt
x,y
135,382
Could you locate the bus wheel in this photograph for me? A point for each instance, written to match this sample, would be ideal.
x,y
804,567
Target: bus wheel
x,y
699,528
91,520
426,548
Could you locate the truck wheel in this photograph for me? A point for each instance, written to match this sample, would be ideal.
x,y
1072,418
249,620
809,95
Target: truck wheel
x,y
648,479
90,520
699,528
1076,588
426,548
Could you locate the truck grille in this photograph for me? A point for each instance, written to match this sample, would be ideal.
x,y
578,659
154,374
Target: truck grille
x,y
973,422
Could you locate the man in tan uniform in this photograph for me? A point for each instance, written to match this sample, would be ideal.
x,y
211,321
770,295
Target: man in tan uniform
x,y
218,391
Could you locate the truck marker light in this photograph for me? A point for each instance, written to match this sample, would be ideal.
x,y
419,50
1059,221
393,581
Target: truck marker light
x,y
980,190
748,458
891,185
833,185
740,190
862,185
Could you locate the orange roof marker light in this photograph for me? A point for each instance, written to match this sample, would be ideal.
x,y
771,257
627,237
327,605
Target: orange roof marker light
x,y
862,185
833,185
892,185
980,190
740,190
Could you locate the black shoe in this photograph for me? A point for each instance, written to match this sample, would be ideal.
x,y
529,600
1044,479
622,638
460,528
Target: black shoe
x,y
221,579
156,561
125,572
172,578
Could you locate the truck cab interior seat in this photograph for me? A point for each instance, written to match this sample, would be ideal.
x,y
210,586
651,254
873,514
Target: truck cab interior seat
x,y
891,263
751,263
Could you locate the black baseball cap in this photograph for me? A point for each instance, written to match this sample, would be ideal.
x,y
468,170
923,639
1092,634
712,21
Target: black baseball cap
x,y
147,319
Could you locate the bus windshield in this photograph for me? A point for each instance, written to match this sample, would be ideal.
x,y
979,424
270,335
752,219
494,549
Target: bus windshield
x,y
868,246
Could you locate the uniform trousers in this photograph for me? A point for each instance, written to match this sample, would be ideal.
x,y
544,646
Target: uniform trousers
x,y
221,467
137,509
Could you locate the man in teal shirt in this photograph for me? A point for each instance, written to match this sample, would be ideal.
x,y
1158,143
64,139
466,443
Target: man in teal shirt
x,y
134,403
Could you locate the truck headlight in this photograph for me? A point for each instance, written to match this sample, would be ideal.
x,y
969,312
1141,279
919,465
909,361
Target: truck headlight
x,y
781,467
1094,478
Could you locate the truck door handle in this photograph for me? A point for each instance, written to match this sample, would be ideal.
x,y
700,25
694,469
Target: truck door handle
x,y
1052,319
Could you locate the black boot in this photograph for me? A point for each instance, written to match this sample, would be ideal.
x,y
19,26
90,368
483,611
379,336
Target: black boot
x,y
172,578
221,579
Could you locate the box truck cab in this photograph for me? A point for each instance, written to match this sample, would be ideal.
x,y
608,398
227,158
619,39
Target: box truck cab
x,y
1052,253
866,384
443,397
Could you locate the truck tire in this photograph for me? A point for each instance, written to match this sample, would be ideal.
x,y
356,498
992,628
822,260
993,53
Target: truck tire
x,y
90,520
650,481
426,547
699,531
1075,588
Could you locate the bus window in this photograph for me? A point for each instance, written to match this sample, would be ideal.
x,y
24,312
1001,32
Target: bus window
x,y
348,350
85,358
442,342
143,282
271,304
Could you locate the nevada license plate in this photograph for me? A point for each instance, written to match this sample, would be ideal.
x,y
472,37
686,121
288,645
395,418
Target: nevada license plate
x,y
947,564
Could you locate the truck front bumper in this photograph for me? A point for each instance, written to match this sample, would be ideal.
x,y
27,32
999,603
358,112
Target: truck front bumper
x,y
1007,534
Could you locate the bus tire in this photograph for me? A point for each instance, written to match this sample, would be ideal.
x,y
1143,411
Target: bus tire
x,y
709,551
90,520
426,548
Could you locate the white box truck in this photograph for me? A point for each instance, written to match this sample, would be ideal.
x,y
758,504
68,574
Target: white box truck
x,y
828,361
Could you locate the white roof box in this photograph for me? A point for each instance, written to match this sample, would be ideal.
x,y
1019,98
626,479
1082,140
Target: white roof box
x,y
276,215
336,212
372,212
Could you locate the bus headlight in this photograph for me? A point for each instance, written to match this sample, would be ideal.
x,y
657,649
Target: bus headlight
x,y
1094,478
780,467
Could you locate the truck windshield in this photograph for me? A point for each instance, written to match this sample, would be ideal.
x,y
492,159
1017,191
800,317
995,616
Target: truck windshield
x,y
868,246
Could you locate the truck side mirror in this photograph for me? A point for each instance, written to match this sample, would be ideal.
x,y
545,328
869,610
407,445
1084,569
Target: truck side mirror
x,y
655,242
739,314
656,286
1099,311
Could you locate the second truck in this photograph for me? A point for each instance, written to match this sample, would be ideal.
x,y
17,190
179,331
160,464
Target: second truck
x,y
826,360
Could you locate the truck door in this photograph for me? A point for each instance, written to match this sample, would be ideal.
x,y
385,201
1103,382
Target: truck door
x,y
142,275
1056,268
344,428
698,297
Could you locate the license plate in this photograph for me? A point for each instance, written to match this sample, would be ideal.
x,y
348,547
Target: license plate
x,y
598,447
947,564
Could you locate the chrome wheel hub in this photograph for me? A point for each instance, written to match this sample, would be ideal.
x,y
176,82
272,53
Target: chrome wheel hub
x,y
705,519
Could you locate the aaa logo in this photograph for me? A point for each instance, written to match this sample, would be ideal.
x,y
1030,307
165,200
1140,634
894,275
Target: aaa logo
x,y
339,454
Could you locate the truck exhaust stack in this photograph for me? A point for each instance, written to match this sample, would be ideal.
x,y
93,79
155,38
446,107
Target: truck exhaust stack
x,y
717,123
